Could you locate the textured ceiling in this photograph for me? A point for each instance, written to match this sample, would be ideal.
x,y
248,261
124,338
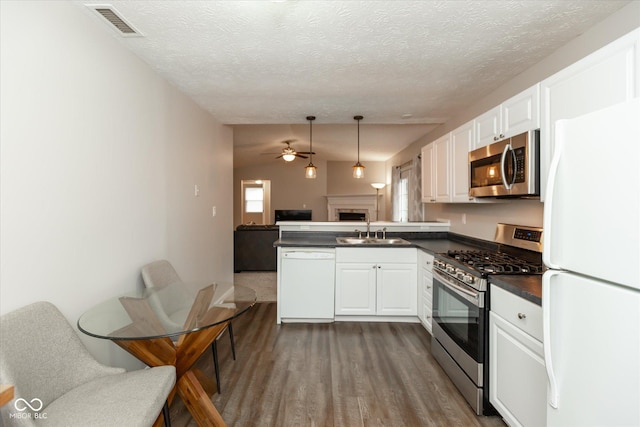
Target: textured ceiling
x,y
253,63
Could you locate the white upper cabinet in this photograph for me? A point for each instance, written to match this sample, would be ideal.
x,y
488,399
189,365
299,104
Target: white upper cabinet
x,y
428,190
488,127
436,181
442,180
445,167
461,144
521,113
607,77
516,115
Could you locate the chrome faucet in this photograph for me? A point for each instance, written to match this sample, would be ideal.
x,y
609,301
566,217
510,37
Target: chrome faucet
x,y
384,233
368,226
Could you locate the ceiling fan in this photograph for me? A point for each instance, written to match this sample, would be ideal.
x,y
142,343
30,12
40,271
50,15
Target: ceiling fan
x,y
289,154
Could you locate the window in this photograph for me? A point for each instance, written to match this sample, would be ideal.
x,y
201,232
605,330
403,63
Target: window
x,y
253,200
403,196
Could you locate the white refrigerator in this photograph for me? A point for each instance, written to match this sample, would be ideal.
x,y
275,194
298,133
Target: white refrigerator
x,y
591,292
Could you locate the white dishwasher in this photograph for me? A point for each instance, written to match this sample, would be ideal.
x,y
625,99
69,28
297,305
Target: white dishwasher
x,y
307,284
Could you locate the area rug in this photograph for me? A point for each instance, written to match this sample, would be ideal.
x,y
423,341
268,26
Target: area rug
x,y
263,282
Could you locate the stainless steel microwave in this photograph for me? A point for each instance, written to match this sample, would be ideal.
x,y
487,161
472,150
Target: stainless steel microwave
x,y
508,168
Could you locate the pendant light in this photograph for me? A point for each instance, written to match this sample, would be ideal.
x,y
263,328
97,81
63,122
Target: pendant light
x,y
358,169
310,169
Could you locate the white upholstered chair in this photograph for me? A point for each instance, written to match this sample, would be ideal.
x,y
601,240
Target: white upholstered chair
x,y
159,274
52,371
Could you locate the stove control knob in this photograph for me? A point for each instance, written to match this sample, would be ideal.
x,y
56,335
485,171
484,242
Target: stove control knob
x,y
450,269
469,279
460,274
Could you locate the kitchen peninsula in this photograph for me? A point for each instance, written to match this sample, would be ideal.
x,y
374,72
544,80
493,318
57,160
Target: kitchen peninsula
x,y
322,278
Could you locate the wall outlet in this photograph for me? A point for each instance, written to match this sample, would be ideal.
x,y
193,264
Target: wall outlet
x,y
464,218
196,190
213,211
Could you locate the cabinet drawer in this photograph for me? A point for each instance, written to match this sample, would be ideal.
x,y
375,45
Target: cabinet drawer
x,y
425,260
382,255
427,289
518,311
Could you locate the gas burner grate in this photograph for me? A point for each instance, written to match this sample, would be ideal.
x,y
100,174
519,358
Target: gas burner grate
x,y
495,262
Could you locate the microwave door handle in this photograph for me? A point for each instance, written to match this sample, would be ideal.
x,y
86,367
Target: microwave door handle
x,y
503,164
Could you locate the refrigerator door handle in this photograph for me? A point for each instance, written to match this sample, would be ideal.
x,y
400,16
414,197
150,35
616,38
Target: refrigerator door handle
x,y
547,222
552,396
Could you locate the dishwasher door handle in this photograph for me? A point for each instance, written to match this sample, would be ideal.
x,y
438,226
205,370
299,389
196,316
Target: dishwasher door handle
x,y
309,255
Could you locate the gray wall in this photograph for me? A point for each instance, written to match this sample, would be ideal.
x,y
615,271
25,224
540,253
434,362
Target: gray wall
x,y
291,190
99,161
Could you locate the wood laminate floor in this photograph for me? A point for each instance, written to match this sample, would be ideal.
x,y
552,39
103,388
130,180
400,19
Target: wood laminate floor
x,y
331,374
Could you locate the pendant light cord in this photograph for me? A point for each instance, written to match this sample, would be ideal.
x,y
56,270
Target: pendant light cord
x,y
311,119
358,141
358,118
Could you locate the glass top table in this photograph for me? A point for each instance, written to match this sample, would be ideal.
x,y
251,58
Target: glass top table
x,y
170,311
172,325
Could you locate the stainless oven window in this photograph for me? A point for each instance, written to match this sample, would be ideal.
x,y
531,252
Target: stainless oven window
x,y
462,319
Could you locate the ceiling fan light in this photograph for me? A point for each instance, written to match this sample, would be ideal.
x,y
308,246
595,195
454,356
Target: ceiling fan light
x,y
310,171
358,171
288,157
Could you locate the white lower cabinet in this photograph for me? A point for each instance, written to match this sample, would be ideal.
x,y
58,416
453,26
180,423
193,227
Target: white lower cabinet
x,y
425,288
376,282
356,289
517,375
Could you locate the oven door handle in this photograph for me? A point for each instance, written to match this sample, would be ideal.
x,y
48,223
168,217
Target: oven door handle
x,y
472,297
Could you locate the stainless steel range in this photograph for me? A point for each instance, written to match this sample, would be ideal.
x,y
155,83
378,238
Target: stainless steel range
x,y
461,305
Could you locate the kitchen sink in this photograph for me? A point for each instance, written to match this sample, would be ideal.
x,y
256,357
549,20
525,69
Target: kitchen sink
x,y
371,241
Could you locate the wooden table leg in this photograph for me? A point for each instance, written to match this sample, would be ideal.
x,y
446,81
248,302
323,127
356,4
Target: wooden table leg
x,y
162,351
198,402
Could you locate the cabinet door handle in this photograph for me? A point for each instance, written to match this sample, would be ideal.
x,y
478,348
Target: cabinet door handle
x,y
522,316
501,135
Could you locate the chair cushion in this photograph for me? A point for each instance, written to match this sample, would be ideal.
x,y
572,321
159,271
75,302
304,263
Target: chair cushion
x,y
128,399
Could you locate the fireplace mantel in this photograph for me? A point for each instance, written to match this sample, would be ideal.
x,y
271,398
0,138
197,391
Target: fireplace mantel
x,y
357,203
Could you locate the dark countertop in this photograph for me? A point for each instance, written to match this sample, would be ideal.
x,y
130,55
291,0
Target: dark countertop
x,y
434,246
440,246
528,287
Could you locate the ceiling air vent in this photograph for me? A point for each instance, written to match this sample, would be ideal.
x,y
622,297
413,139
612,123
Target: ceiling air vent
x,y
109,13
